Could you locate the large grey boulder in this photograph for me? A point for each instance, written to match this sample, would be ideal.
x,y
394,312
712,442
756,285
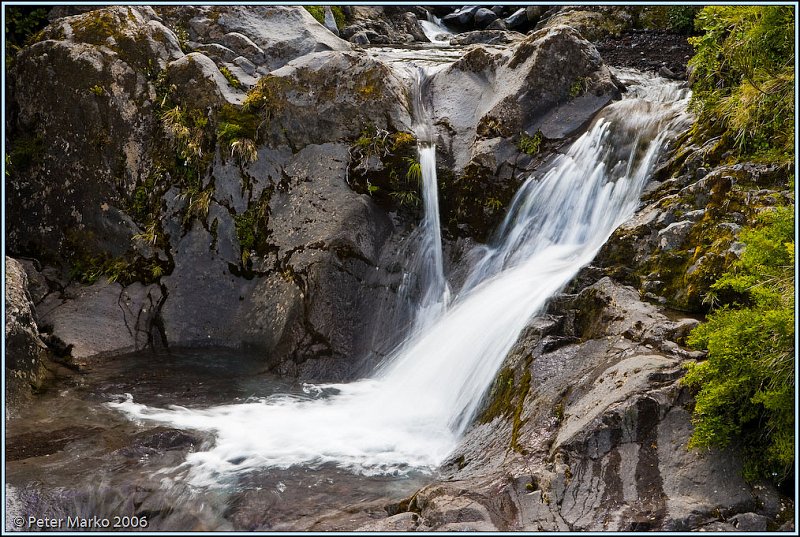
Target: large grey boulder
x,y
512,94
328,241
25,351
303,303
546,86
592,22
267,36
332,96
385,25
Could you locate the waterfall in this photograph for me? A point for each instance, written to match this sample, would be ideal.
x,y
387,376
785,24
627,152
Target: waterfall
x,y
436,32
414,409
424,282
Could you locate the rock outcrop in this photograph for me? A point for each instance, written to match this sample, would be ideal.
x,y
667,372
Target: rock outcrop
x,y
495,113
211,169
685,236
25,351
136,188
592,436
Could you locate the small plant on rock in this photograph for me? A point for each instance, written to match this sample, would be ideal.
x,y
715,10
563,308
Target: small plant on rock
x,y
578,87
530,144
230,77
244,149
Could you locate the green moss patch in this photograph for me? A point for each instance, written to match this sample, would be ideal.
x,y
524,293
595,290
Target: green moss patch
x,y
506,400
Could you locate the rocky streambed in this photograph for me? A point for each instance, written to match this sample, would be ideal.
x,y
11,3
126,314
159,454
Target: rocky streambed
x,y
240,177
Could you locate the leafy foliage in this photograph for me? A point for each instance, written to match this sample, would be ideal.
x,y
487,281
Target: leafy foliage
x,y
251,229
530,144
230,77
744,79
578,87
681,18
22,25
124,270
385,165
746,386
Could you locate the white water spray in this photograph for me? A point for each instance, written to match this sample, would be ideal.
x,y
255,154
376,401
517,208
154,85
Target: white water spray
x,y
411,414
424,282
436,32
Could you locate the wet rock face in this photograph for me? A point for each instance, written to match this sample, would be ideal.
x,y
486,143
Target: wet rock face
x,y
25,351
270,251
496,113
686,235
598,439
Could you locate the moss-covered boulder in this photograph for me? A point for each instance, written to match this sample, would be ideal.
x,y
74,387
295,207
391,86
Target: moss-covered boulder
x,y
81,130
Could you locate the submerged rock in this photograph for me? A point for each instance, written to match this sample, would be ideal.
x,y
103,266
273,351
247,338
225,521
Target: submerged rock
x,y
102,319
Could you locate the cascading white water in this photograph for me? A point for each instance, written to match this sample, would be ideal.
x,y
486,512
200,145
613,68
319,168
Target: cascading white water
x,y
424,275
436,32
412,412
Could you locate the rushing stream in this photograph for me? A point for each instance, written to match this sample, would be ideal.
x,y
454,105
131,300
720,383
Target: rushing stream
x,y
244,433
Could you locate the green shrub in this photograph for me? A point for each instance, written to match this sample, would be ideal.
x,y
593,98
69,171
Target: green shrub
x,y
745,388
230,77
681,18
743,80
22,24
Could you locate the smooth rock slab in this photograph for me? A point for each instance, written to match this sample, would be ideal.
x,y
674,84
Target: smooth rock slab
x,y
102,319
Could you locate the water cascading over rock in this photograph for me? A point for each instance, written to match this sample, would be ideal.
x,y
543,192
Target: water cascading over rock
x,y
413,410
425,263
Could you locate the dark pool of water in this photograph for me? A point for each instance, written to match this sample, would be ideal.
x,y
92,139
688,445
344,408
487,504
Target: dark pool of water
x,y
69,455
